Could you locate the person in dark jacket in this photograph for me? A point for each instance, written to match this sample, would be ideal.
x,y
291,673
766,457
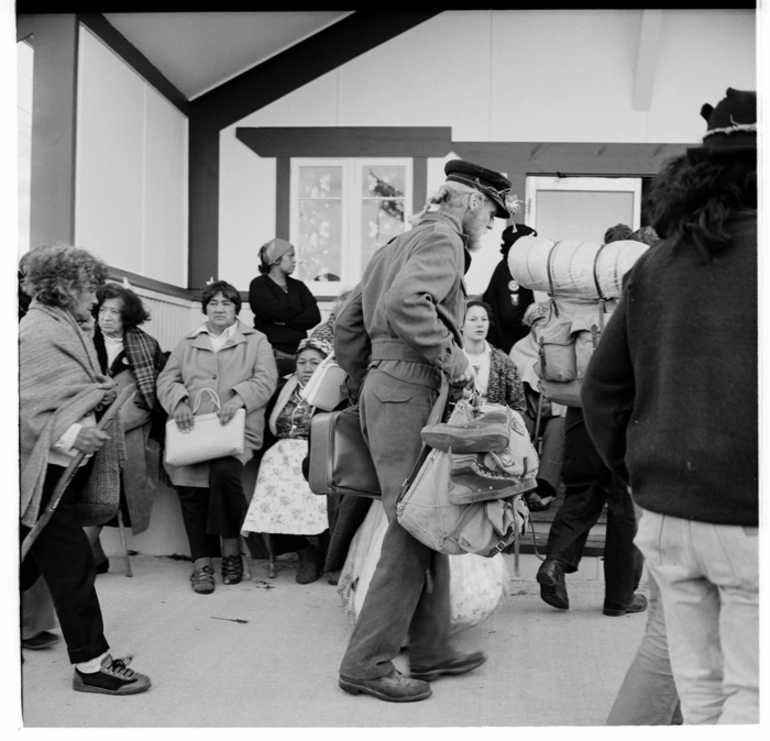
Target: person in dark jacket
x,y
508,299
670,400
589,487
284,308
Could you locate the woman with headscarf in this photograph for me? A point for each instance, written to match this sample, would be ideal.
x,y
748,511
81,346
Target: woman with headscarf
x,y
284,308
282,502
130,355
61,392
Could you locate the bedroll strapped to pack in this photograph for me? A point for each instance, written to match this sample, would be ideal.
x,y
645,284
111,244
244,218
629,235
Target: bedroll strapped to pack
x,y
578,311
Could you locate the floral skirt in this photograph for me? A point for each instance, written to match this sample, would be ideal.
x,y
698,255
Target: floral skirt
x,y
282,501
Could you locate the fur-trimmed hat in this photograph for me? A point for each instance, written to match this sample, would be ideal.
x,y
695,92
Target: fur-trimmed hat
x,y
731,127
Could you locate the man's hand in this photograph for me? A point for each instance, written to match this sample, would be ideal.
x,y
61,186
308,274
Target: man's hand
x,y
466,380
183,416
89,440
227,412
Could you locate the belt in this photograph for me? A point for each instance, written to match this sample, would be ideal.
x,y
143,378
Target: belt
x,y
396,350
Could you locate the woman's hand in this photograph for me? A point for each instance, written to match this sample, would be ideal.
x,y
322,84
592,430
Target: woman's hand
x,y
227,412
183,416
89,440
110,392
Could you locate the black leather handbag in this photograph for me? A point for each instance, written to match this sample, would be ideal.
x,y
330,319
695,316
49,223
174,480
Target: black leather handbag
x,y
339,460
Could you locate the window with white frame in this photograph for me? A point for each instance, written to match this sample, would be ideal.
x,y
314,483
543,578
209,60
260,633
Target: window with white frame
x,y
582,207
342,212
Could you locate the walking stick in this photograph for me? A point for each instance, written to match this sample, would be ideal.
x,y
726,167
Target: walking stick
x,y
123,544
71,470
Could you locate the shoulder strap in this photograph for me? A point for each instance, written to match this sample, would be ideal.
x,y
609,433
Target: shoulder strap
x,y
436,415
550,278
602,297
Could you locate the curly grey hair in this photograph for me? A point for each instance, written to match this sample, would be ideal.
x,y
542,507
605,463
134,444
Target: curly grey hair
x,y
57,274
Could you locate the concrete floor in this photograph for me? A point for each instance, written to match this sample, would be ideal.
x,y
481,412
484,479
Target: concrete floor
x,y
279,670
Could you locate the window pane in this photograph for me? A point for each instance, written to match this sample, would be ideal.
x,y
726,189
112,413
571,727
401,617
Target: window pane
x,y
383,181
320,182
380,222
319,245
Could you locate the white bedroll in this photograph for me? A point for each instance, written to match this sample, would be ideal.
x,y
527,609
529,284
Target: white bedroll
x,y
584,281
572,269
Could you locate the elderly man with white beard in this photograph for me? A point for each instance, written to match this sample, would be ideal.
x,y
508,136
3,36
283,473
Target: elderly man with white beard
x,y
396,336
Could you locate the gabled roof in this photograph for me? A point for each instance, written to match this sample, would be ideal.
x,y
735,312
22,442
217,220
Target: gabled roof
x,y
197,52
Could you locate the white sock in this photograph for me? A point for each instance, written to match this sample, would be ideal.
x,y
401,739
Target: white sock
x,y
91,667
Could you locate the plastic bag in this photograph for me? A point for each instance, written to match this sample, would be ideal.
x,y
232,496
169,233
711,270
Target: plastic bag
x,y
477,585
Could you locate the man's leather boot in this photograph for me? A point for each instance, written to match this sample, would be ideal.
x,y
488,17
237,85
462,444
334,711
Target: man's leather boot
x,y
553,589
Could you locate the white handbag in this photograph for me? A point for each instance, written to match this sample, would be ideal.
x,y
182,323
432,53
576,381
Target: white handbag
x,y
326,386
208,438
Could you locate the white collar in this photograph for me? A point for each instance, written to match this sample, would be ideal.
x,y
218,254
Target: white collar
x,y
226,333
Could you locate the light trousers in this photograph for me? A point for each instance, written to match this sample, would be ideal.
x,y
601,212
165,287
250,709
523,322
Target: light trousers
x,y
709,582
648,695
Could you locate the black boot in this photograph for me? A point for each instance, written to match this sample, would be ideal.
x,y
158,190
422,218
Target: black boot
x,y
553,589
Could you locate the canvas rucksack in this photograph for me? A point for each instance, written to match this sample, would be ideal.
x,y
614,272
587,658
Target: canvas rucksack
x,y
584,283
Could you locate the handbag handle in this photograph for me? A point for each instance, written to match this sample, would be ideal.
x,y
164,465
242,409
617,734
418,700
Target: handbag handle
x,y
214,397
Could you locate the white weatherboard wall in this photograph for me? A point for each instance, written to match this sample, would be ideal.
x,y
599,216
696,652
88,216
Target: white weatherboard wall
x,y
498,75
131,168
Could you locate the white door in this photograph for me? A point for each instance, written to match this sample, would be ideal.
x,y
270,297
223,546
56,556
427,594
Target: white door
x,y
582,208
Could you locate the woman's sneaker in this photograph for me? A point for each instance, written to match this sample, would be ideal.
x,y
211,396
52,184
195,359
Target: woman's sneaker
x,y
113,678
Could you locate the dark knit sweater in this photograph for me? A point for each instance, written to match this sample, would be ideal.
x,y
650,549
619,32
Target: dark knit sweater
x,y
284,317
670,396
504,385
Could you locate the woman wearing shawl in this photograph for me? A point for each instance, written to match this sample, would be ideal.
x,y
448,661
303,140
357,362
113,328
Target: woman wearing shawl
x,y
129,355
282,501
61,391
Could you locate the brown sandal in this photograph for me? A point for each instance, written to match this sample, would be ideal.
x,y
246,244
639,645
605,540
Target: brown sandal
x,y
202,580
232,569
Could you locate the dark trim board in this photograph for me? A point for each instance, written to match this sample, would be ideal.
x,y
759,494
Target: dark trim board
x,y
347,141
283,197
304,62
54,108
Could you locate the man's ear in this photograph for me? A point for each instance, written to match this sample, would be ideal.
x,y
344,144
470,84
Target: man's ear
x,y
475,201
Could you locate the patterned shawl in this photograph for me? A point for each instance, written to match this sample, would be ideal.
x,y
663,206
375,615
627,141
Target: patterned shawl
x,y
145,359
58,385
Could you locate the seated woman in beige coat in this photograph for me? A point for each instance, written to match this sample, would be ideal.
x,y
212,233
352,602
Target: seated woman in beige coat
x,y
236,362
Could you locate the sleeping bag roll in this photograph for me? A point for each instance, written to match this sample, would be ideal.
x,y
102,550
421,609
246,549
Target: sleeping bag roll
x,y
574,266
